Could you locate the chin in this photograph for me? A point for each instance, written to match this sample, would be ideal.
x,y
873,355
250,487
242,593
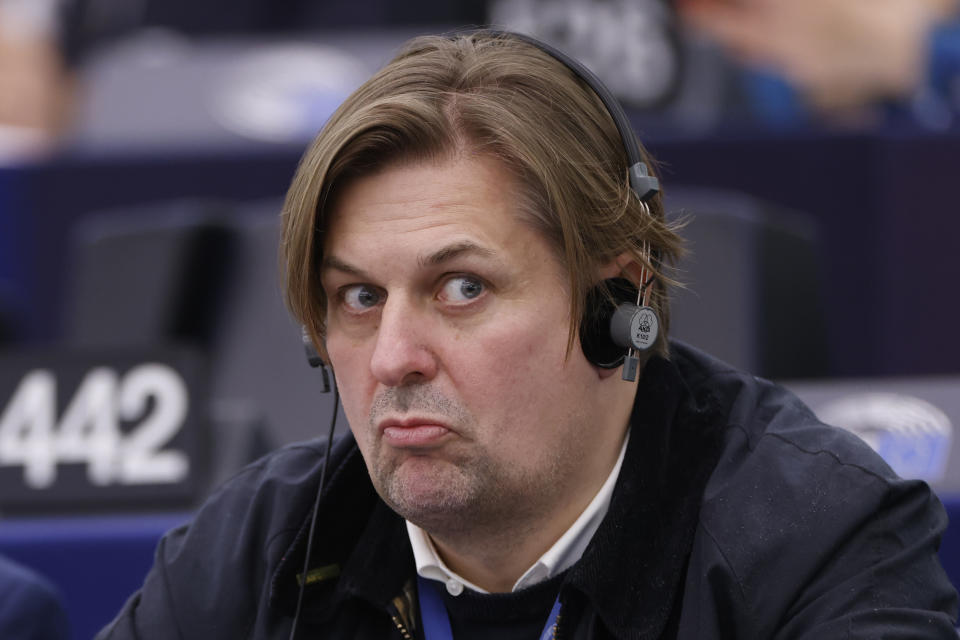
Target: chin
x,y
429,492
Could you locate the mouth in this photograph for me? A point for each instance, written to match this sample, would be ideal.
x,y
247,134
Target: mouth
x,y
413,432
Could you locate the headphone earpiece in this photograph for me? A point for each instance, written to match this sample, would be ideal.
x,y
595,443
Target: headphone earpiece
x,y
614,326
595,337
633,327
314,359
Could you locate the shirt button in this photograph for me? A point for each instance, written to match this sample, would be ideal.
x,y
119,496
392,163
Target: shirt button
x,y
454,587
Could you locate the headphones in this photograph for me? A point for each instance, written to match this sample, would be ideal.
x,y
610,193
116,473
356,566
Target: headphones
x,y
617,314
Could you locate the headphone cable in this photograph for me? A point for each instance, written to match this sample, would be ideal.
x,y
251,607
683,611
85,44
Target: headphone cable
x,y
316,507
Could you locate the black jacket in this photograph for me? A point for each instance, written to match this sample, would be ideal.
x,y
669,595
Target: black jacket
x,y
736,515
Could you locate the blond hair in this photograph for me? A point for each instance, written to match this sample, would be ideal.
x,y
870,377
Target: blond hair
x,y
485,93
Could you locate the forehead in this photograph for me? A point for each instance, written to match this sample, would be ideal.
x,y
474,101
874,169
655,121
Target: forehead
x,y
466,202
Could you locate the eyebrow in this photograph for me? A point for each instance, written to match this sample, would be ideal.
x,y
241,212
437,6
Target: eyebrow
x,y
434,259
333,262
455,251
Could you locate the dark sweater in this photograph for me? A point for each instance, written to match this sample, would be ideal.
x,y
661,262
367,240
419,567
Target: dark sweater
x,y
506,616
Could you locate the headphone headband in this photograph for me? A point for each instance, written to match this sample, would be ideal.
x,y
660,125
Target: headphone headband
x,y
642,183
606,329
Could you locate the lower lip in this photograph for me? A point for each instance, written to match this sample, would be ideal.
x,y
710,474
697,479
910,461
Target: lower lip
x,y
415,436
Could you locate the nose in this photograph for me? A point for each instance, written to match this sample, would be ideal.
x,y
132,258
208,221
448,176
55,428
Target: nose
x,y
402,353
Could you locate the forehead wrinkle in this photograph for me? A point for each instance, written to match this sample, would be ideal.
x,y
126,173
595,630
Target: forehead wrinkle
x,y
444,254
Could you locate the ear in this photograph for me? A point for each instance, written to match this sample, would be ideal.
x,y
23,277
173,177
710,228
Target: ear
x,y
623,266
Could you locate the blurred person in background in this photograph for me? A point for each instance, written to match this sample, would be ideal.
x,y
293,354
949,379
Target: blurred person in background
x,y
30,608
45,46
859,61
34,86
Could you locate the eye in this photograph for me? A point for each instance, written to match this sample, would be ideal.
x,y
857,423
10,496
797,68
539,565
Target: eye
x,y
360,297
462,289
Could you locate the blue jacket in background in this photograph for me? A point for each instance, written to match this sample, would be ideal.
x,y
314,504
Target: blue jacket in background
x,y
30,607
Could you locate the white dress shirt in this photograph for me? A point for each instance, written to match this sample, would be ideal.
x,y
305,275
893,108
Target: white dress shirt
x,y
561,556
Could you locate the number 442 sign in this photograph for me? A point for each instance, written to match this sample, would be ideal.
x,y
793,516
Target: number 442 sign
x,y
85,430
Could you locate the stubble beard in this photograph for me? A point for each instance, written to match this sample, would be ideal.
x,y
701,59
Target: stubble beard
x,y
461,490
441,496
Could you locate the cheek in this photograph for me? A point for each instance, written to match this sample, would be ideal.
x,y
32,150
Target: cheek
x,y
519,381
350,364
502,357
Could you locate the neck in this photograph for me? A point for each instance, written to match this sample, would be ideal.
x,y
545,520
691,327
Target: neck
x,y
496,563
496,560
494,551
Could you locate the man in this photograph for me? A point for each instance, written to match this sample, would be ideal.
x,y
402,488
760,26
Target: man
x,y
444,240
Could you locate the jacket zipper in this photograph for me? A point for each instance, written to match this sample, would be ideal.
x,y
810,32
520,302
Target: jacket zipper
x,y
398,623
400,627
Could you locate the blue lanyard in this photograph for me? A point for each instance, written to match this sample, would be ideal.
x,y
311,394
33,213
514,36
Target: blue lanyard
x,y
436,620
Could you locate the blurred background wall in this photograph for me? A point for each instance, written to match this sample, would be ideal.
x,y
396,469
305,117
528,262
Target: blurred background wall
x,y
145,146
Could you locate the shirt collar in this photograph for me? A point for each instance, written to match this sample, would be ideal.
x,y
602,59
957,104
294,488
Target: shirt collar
x,y
561,556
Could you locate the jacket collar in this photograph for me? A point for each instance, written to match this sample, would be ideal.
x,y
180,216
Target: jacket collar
x,y
633,569
361,551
